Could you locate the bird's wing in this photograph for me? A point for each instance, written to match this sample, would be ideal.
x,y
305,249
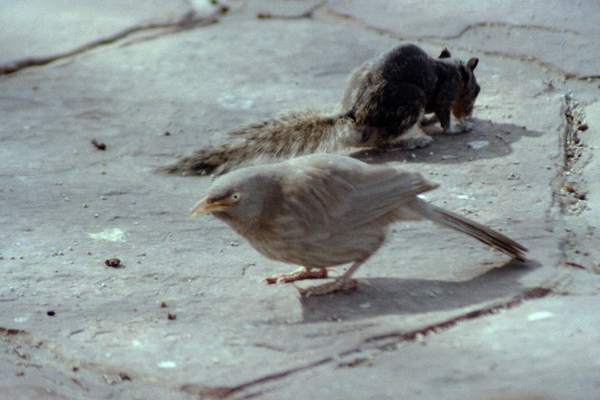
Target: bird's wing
x,y
333,193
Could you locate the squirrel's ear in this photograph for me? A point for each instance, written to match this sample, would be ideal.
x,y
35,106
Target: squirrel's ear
x,y
445,53
466,73
472,63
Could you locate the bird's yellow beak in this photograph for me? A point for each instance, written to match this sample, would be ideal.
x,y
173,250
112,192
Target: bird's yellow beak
x,y
203,207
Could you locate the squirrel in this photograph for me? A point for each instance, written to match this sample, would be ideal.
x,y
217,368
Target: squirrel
x,y
385,98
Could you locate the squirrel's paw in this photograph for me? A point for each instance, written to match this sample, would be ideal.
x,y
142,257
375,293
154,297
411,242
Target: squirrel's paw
x,y
463,126
466,126
412,143
453,130
425,121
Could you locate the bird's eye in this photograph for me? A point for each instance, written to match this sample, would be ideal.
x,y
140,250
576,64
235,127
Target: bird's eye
x,y
235,196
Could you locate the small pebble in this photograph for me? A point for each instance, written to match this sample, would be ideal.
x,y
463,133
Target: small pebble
x,y
98,145
112,262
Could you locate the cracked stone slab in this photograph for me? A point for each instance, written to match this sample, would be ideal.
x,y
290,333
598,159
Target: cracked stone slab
x,y
187,313
37,31
559,34
581,203
498,356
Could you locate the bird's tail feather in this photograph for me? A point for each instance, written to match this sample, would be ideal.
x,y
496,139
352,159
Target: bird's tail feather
x,y
476,230
284,137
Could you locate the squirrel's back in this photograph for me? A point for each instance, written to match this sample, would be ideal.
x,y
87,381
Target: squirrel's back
x,y
394,91
405,63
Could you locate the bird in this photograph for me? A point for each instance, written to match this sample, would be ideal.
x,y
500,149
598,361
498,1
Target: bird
x,y
324,210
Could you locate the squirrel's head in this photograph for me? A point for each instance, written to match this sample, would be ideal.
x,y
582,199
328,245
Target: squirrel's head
x,y
463,106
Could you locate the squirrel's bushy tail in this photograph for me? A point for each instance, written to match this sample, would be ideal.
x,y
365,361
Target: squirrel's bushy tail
x,y
283,137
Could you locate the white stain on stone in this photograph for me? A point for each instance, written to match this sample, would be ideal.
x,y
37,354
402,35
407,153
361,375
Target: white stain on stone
x,y
464,197
236,102
110,235
536,316
166,364
478,144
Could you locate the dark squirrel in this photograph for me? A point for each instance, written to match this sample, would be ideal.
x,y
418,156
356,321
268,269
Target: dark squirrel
x,y
385,98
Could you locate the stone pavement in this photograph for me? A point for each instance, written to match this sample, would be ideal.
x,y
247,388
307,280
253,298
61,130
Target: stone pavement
x,y
186,314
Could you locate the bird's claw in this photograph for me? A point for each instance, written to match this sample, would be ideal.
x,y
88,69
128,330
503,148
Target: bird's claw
x,y
301,274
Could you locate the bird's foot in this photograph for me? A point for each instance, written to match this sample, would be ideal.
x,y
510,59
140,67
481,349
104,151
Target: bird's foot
x,y
338,285
301,274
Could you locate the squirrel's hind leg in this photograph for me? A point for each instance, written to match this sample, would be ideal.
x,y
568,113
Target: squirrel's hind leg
x,y
415,138
407,137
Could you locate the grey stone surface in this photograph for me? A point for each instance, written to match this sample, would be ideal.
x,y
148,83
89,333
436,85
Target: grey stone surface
x,y
38,32
502,356
437,315
556,34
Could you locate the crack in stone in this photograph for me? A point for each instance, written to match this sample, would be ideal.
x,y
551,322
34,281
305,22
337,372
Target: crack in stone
x,y
504,25
350,20
380,344
570,189
418,335
251,389
19,339
307,14
189,20
34,352
225,392
362,24
11,332
570,197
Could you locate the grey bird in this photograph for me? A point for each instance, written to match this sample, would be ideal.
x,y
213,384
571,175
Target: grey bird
x,y
320,211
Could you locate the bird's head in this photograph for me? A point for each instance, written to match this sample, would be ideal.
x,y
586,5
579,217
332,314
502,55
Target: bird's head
x,y
242,196
216,203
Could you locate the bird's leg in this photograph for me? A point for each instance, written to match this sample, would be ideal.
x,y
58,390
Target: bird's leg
x,y
340,284
300,274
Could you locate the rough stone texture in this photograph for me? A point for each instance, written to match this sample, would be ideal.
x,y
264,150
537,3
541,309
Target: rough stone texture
x,y
552,33
437,315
